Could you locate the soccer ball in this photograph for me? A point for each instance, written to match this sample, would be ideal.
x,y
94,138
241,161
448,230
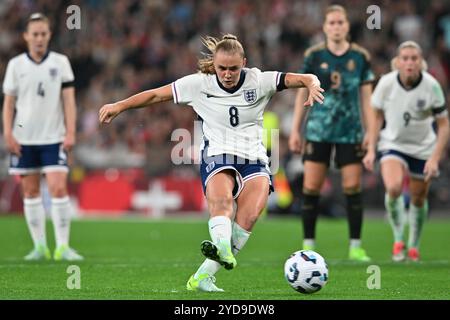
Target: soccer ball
x,y
306,271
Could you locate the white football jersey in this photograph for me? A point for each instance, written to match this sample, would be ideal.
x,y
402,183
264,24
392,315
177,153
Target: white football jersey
x,y
409,114
232,119
37,87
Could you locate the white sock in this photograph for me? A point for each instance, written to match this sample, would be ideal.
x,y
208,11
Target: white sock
x,y
220,229
309,243
355,243
239,238
35,217
396,215
417,216
208,266
61,220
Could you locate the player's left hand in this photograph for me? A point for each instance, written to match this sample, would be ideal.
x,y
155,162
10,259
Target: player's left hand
x,y
108,112
315,91
69,142
431,169
369,160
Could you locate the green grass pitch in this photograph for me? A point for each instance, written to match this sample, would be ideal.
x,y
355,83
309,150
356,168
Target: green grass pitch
x,y
144,259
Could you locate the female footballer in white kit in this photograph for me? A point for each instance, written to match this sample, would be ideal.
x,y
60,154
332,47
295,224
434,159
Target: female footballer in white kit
x,y
230,100
39,115
408,99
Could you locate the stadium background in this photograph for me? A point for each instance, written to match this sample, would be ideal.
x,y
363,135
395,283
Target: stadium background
x,y
127,46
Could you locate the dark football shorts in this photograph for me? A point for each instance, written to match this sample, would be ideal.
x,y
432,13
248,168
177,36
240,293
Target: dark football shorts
x,y
244,169
39,159
344,153
413,165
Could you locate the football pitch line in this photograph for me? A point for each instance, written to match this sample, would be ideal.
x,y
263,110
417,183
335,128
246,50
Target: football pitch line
x,y
248,263
196,217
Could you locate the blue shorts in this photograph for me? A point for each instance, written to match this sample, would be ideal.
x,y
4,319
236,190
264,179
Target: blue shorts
x,y
413,165
244,168
39,159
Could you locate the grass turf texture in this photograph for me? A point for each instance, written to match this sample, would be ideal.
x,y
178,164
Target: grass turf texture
x,y
141,259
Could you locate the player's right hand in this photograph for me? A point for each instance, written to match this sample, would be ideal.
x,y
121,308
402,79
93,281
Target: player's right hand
x,y
315,91
431,169
369,160
12,145
108,112
296,143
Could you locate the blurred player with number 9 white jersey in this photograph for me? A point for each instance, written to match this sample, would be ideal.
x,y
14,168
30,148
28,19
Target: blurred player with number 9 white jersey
x,y
39,115
408,99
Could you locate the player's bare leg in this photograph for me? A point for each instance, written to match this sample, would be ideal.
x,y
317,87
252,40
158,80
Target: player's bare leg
x,y
219,195
250,203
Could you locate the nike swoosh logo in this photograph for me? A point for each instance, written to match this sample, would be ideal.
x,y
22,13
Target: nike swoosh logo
x,y
216,226
210,96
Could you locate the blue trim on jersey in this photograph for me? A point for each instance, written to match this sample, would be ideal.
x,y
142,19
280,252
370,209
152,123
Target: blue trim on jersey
x,y
205,140
39,156
235,88
245,169
415,166
176,93
413,86
43,58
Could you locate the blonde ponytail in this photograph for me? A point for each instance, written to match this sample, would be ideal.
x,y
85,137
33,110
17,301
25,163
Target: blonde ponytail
x,y
229,43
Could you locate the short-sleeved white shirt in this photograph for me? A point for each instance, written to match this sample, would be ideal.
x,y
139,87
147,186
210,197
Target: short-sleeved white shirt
x,y
232,119
37,87
409,114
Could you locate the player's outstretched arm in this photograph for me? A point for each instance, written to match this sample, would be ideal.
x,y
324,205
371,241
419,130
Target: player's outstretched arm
x,y
144,99
310,81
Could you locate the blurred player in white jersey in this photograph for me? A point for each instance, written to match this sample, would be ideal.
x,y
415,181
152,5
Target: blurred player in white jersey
x,y
39,115
230,100
408,100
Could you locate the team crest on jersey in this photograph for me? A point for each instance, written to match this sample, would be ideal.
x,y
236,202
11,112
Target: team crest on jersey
x,y
420,103
53,73
351,65
250,95
324,65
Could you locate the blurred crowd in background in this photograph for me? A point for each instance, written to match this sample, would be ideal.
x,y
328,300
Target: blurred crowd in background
x,y
126,46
